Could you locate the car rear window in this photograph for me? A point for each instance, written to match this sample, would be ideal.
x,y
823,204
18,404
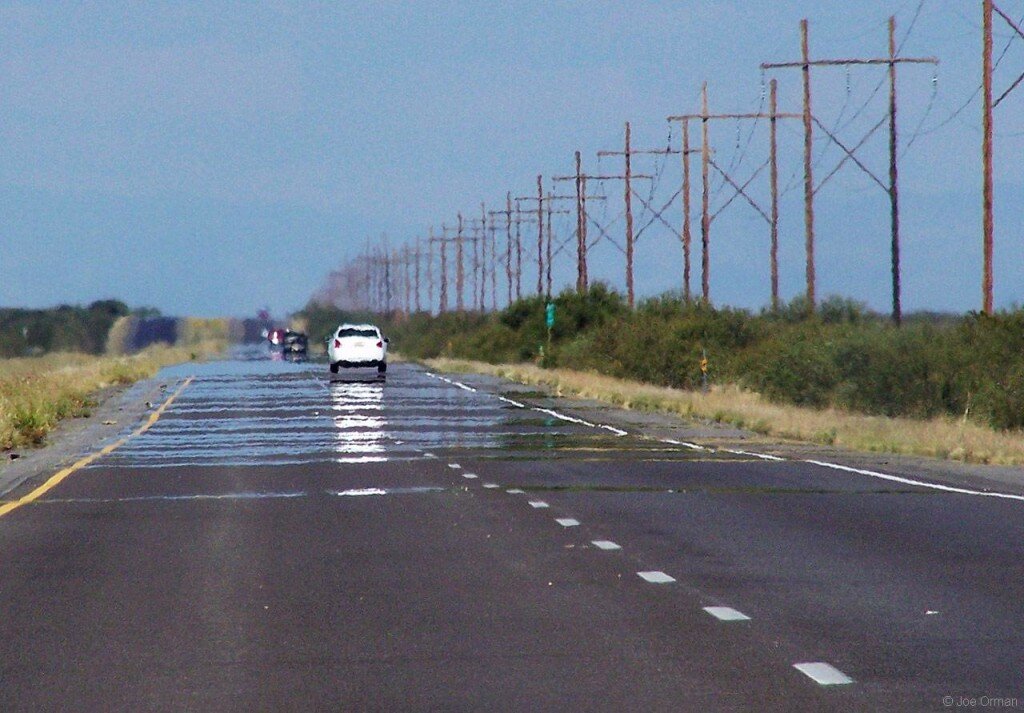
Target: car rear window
x,y
371,333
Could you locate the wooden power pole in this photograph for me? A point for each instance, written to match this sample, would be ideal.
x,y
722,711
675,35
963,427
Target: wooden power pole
x,y
771,216
627,179
580,181
891,187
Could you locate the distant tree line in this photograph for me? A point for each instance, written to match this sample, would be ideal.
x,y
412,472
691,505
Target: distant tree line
x,y
67,328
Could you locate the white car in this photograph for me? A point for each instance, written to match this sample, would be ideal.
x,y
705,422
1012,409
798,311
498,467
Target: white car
x,y
357,345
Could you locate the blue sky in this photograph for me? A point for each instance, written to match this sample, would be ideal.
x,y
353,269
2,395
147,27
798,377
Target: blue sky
x,y
213,157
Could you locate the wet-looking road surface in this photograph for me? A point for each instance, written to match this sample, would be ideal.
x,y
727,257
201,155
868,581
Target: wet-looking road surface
x,y
281,540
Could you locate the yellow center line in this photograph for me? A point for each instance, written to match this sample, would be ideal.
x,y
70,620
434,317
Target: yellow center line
x,y
59,476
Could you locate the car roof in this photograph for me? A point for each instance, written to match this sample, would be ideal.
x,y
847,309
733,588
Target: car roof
x,y
359,326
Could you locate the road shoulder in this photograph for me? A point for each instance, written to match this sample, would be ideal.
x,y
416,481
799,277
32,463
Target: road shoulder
x,y
118,410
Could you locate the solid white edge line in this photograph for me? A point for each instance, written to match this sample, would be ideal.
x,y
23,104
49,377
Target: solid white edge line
x,y
823,673
762,456
691,446
726,614
918,483
563,417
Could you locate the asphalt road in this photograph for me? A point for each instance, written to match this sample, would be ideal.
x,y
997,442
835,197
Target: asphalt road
x,y
276,540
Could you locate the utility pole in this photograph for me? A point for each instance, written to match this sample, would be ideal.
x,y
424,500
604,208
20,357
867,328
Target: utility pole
x,y
987,223
581,228
508,213
543,200
519,252
483,257
988,186
580,181
444,240
406,277
386,257
494,263
430,269
892,188
771,216
419,256
460,274
627,179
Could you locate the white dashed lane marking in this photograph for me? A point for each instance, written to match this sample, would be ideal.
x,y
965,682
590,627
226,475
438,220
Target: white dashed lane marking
x,y
538,504
726,614
514,491
656,577
605,545
491,486
455,466
469,476
823,673
567,521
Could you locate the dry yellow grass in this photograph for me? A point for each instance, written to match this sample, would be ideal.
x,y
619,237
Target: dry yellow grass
x,y
947,438
37,393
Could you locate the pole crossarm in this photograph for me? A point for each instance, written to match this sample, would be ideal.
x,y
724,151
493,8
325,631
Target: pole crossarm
x,y
544,199
620,178
634,152
845,62
755,115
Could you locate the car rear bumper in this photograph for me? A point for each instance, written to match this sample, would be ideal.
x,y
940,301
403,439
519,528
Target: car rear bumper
x,y
353,364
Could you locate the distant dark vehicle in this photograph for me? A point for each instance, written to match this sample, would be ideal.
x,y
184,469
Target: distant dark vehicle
x,y
295,344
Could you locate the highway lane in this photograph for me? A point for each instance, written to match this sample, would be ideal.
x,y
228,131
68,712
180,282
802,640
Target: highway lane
x,y
279,540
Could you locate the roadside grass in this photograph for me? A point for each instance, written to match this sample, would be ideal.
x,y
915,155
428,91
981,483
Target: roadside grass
x,y
940,437
37,393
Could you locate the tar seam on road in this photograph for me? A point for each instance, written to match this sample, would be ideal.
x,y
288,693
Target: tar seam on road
x,y
56,478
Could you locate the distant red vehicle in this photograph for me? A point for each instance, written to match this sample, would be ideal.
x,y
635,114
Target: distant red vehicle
x,y
276,337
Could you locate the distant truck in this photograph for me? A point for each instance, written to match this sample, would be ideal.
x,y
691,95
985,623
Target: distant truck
x,y
295,344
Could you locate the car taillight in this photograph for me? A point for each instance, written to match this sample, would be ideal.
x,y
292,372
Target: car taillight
x,y
337,344
380,344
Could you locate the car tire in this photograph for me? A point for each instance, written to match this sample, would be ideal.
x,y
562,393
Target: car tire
x,y
381,368
334,368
